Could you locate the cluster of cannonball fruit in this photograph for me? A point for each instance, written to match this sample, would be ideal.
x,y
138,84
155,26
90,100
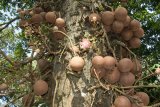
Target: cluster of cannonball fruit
x,y
123,73
120,23
38,16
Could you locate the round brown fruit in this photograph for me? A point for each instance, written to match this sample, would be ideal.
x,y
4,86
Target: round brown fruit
x,y
138,100
135,42
107,17
76,63
3,86
36,18
60,22
117,26
144,97
98,62
125,65
134,25
113,76
137,67
50,17
126,34
43,64
139,33
99,71
127,79
109,63
38,10
127,21
40,87
122,101
94,17
121,13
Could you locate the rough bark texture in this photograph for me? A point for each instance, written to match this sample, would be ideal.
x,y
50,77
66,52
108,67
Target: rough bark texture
x,y
70,90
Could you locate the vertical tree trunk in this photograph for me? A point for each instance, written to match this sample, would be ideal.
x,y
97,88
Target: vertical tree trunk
x,y
71,90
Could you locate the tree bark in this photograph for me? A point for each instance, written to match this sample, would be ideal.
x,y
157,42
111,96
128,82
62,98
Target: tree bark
x,y
71,90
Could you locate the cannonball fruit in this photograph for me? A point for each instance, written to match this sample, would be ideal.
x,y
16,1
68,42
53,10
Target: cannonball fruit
x,y
98,62
117,26
127,79
135,25
127,21
139,33
37,18
113,76
126,34
135,42
50,17
137,67
144,97
60,22
138,100
121,13
109,63
125,65
40,87
76,63
122,101
107,17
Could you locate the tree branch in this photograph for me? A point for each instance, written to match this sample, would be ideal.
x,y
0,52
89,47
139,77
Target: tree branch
x,y
6,24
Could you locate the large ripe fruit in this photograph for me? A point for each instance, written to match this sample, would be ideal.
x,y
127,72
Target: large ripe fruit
x,y
127,21
125,65
137,67
127,79
3,86
50,17
76,63
36,18
43,64
117,26
139,33
94,17
122,101
134,25
144,97
107,17
113,76
40,87
109,63
135,42
60,22
121,13
99,71
126,34
98,62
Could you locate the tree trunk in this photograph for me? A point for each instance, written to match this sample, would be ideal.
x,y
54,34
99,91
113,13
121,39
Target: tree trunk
x,y
71,90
